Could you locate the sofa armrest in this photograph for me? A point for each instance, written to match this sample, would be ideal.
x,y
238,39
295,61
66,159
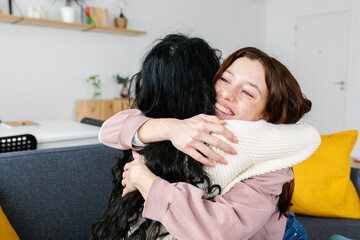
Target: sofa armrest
x,y
355,178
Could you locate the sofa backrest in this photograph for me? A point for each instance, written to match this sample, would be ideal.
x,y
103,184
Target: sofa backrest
x,y
56,193
355,178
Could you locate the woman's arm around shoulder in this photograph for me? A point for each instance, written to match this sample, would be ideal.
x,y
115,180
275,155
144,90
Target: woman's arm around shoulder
x,y
263,140
187,135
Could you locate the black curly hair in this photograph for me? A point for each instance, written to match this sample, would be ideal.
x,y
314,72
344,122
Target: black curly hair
x,y
175,81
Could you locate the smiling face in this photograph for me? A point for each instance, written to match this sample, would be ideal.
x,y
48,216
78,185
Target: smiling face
x,y
241,91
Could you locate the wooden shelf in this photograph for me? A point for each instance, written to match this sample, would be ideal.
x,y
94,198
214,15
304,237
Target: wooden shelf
x,y
59,24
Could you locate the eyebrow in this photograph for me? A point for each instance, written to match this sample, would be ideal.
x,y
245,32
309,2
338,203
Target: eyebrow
x,y
250,83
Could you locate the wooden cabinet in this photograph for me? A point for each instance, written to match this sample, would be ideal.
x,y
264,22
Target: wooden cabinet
x,y
100,109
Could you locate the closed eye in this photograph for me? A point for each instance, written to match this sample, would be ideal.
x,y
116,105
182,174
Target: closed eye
x,y
224,80
247,93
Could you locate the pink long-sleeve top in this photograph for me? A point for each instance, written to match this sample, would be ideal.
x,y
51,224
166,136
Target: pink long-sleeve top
x,y
248,211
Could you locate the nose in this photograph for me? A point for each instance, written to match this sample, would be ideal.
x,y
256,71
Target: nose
x,y
227,94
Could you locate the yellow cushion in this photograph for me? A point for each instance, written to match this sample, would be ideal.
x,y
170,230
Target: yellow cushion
x,y
6,231
322,182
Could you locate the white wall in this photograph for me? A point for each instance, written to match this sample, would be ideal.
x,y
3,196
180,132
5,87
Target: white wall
x,y
281,15
43,70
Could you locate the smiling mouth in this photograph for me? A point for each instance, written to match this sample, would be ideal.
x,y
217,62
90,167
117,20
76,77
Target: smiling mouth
x,y
223,109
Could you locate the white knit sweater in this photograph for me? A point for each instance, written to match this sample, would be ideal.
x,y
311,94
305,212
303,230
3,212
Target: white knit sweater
x,y
263,147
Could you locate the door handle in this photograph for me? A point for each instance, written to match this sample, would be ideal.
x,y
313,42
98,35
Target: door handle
x,y
339,83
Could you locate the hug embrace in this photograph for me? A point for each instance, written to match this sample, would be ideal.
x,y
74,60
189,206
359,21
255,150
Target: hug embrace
x,y
208,151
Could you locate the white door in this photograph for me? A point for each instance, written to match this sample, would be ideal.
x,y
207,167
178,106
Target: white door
x,y
321,67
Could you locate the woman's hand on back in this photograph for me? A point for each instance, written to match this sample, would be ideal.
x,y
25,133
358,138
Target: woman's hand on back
x,y
137,176
189,136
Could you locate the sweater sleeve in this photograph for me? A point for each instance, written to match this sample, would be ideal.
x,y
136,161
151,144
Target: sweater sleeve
x,y
263,140
239,214
263,147
119,130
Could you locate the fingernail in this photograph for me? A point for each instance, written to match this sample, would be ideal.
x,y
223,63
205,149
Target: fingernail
x,y
212,164
235,140
233,152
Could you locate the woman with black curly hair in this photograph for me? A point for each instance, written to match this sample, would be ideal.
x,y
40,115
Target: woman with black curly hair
x,y
174,64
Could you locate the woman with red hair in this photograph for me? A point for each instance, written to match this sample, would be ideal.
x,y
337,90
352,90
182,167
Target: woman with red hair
x,y
252,90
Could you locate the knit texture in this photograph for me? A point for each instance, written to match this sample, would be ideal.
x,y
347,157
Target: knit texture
x,y
263,147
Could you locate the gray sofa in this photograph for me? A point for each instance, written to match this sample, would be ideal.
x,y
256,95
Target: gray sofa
x,y
58,193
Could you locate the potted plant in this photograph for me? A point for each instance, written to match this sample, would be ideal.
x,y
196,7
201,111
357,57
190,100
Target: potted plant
x,y
121,21
95,81
124,92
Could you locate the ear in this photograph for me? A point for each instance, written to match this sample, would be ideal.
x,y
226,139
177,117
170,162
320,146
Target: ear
x,y
266,117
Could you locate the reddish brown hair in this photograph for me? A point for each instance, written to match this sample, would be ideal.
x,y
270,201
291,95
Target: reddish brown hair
x,y
286,103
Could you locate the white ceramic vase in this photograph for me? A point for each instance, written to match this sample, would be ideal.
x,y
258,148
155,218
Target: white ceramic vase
x,y
67,14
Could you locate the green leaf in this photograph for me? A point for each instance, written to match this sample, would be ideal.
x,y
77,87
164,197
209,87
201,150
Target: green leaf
x,y
96,83
121,80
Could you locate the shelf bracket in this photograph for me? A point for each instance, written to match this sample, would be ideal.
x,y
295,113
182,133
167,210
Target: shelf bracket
x,y
18,20
89,29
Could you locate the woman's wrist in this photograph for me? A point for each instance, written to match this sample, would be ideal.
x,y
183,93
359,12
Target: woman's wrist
x,y
144,182
156,130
